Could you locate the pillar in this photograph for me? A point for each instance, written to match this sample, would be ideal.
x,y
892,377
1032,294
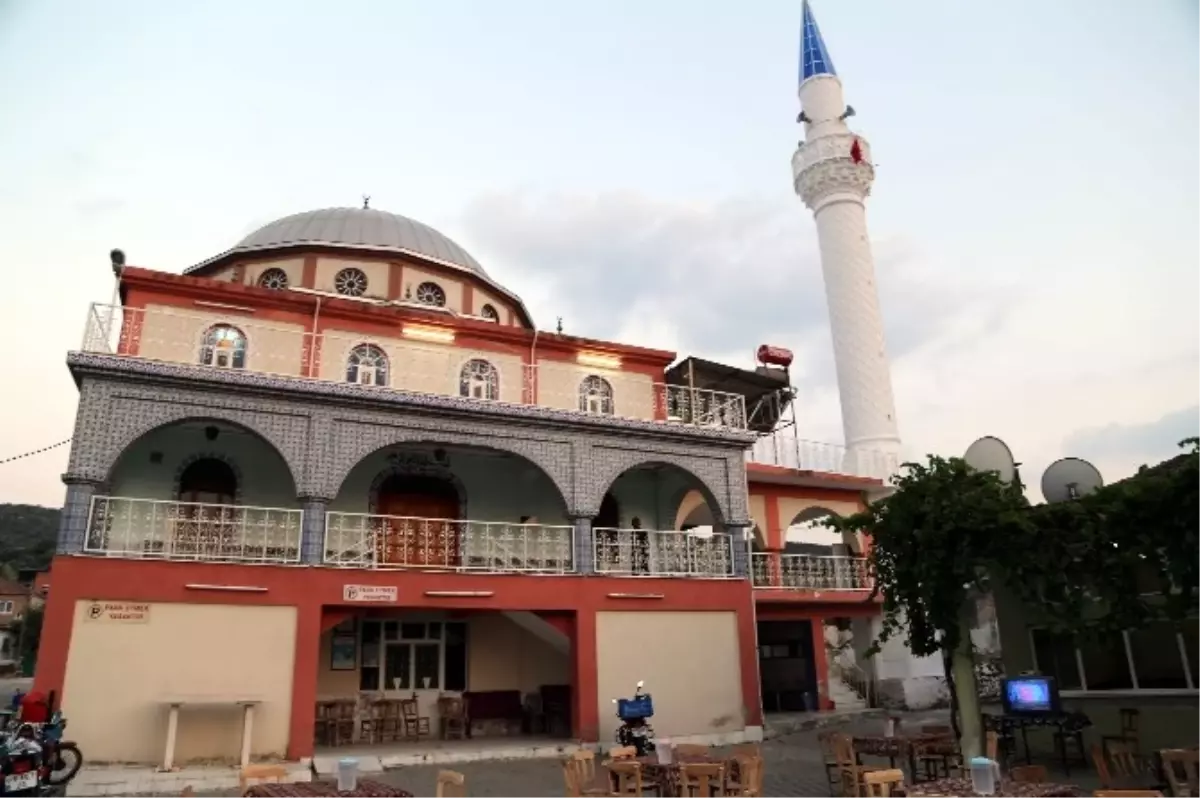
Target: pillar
x,y
77,508
585,718
821,663
312,531
741,550
585,559
304,681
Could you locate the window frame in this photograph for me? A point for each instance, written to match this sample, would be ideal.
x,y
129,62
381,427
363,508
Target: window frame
x,y
465,386
1081,672
484,311
409,644
261,282
366,282
6,607
430,285
209,349
606,396
358,367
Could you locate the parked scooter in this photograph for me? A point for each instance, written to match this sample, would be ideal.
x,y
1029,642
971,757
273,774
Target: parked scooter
x,y
35,737
635,713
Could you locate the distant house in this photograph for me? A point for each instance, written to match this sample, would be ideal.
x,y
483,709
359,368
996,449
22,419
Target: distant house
x,y
14,601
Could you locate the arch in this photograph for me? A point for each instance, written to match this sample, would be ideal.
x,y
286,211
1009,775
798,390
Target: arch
x,y
479,379
402,470
705,476
596,395
430,293
180,485
125,432
692,503
224,346
367,364
377,438
490,313
814,513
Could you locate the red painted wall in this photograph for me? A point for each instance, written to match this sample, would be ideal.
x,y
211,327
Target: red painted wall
x,y
317,593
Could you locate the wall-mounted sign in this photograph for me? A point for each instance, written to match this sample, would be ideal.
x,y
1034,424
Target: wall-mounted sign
x,y
119,611
370,594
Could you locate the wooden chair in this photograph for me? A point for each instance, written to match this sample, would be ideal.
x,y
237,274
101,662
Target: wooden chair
x,y
389,720
451,784
323,724
749,781
832,769
342,722
626,777
1029,774
747,749
1127,794
623,752
452,710
703,779
260,773
993,746
414,724
370,725
1129,730
691,750
850,773
881,782
1179,762
579,773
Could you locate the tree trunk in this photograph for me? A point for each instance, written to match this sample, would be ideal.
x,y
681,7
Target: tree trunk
x,y
967,692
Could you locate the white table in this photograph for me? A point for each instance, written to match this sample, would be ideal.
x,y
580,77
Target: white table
x,y
175,703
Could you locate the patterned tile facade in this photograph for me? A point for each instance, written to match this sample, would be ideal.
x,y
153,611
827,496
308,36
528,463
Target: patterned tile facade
x,y
322,430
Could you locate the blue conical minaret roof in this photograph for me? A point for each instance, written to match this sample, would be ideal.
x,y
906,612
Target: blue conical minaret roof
x,y
814,56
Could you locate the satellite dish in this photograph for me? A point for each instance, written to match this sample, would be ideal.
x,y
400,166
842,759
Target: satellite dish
x,y
992,454
1070,478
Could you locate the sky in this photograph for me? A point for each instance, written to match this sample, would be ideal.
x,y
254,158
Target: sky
x,y
626,166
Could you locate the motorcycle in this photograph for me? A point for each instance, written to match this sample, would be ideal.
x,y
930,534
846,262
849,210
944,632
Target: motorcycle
x,y
635,713
22,767
35,738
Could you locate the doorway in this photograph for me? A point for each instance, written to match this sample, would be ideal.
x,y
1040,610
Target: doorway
x,y
787,666
422,526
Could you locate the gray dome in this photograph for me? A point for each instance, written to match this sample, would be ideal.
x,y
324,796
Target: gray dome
x,y
361,228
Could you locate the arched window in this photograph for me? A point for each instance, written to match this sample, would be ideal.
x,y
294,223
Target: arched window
x,y
596,396
431,294
367,365
488,312
479,380
274,279
224,347
350,282
208,481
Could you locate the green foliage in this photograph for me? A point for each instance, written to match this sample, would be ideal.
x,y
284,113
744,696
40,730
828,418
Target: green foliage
x,y
1114,560
932,541
28,535
29,631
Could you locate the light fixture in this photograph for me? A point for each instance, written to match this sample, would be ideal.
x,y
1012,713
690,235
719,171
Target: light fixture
x,y
600,361
437,335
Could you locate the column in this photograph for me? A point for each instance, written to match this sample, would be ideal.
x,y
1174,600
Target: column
x,y
312,534
741,549
585,560
585,712
821,664
304,681
77,508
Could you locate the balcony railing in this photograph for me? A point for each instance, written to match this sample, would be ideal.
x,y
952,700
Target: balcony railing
x,y
168,530
808,572
181,336
642,552
360,540
790,452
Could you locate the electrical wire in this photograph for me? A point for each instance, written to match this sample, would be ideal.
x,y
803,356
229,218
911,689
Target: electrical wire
x,y
35,451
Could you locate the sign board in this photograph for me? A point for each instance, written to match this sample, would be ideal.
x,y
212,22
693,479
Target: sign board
x,y
119,611
370,594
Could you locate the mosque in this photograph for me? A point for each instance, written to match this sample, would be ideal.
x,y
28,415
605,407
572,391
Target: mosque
x,y
337,470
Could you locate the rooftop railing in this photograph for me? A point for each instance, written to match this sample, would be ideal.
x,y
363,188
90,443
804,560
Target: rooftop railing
x,y
790,452
219,337
808,572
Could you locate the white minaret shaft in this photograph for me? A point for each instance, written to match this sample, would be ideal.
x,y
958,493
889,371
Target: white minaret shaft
x,y
833,173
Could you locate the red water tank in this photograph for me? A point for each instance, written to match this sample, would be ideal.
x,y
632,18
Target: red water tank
x,y
774,356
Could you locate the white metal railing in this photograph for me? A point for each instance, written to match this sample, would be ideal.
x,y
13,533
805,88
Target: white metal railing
x,y
788,451
170,530
808,572
179,335
362,540
645,552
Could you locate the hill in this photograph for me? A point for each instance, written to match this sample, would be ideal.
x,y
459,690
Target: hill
x,y
28,535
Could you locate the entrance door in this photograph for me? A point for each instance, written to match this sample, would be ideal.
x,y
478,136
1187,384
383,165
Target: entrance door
x,y
423,528
787,667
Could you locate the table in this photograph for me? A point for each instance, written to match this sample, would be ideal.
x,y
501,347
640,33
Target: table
x,y
175,703
664,776
962,787
314,789
1067,723
905,745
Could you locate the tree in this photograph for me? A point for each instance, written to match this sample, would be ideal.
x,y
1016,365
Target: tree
x,y
932,542
949,531
28,630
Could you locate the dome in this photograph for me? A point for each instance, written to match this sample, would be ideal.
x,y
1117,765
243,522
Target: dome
x,y
356,228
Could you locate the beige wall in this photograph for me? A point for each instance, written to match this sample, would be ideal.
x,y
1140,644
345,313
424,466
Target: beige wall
x,y
688,660
422,367
558,386
293,267
481,298
176,335
376,271
758,514
121,673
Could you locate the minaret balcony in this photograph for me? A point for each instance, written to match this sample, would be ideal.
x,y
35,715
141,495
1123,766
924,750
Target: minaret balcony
x,y
226,339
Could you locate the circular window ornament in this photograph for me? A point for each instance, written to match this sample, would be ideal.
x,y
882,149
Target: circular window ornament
x,y
273,279
350,282
488,312
431,294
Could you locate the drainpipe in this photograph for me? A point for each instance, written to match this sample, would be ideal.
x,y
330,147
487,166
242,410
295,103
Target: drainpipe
x,y
313,349
533,368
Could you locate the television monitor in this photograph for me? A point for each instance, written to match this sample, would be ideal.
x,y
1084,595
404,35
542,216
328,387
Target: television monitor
x,y
1033,694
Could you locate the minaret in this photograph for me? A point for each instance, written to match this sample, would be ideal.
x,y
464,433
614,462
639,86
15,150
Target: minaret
x,y
833,174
